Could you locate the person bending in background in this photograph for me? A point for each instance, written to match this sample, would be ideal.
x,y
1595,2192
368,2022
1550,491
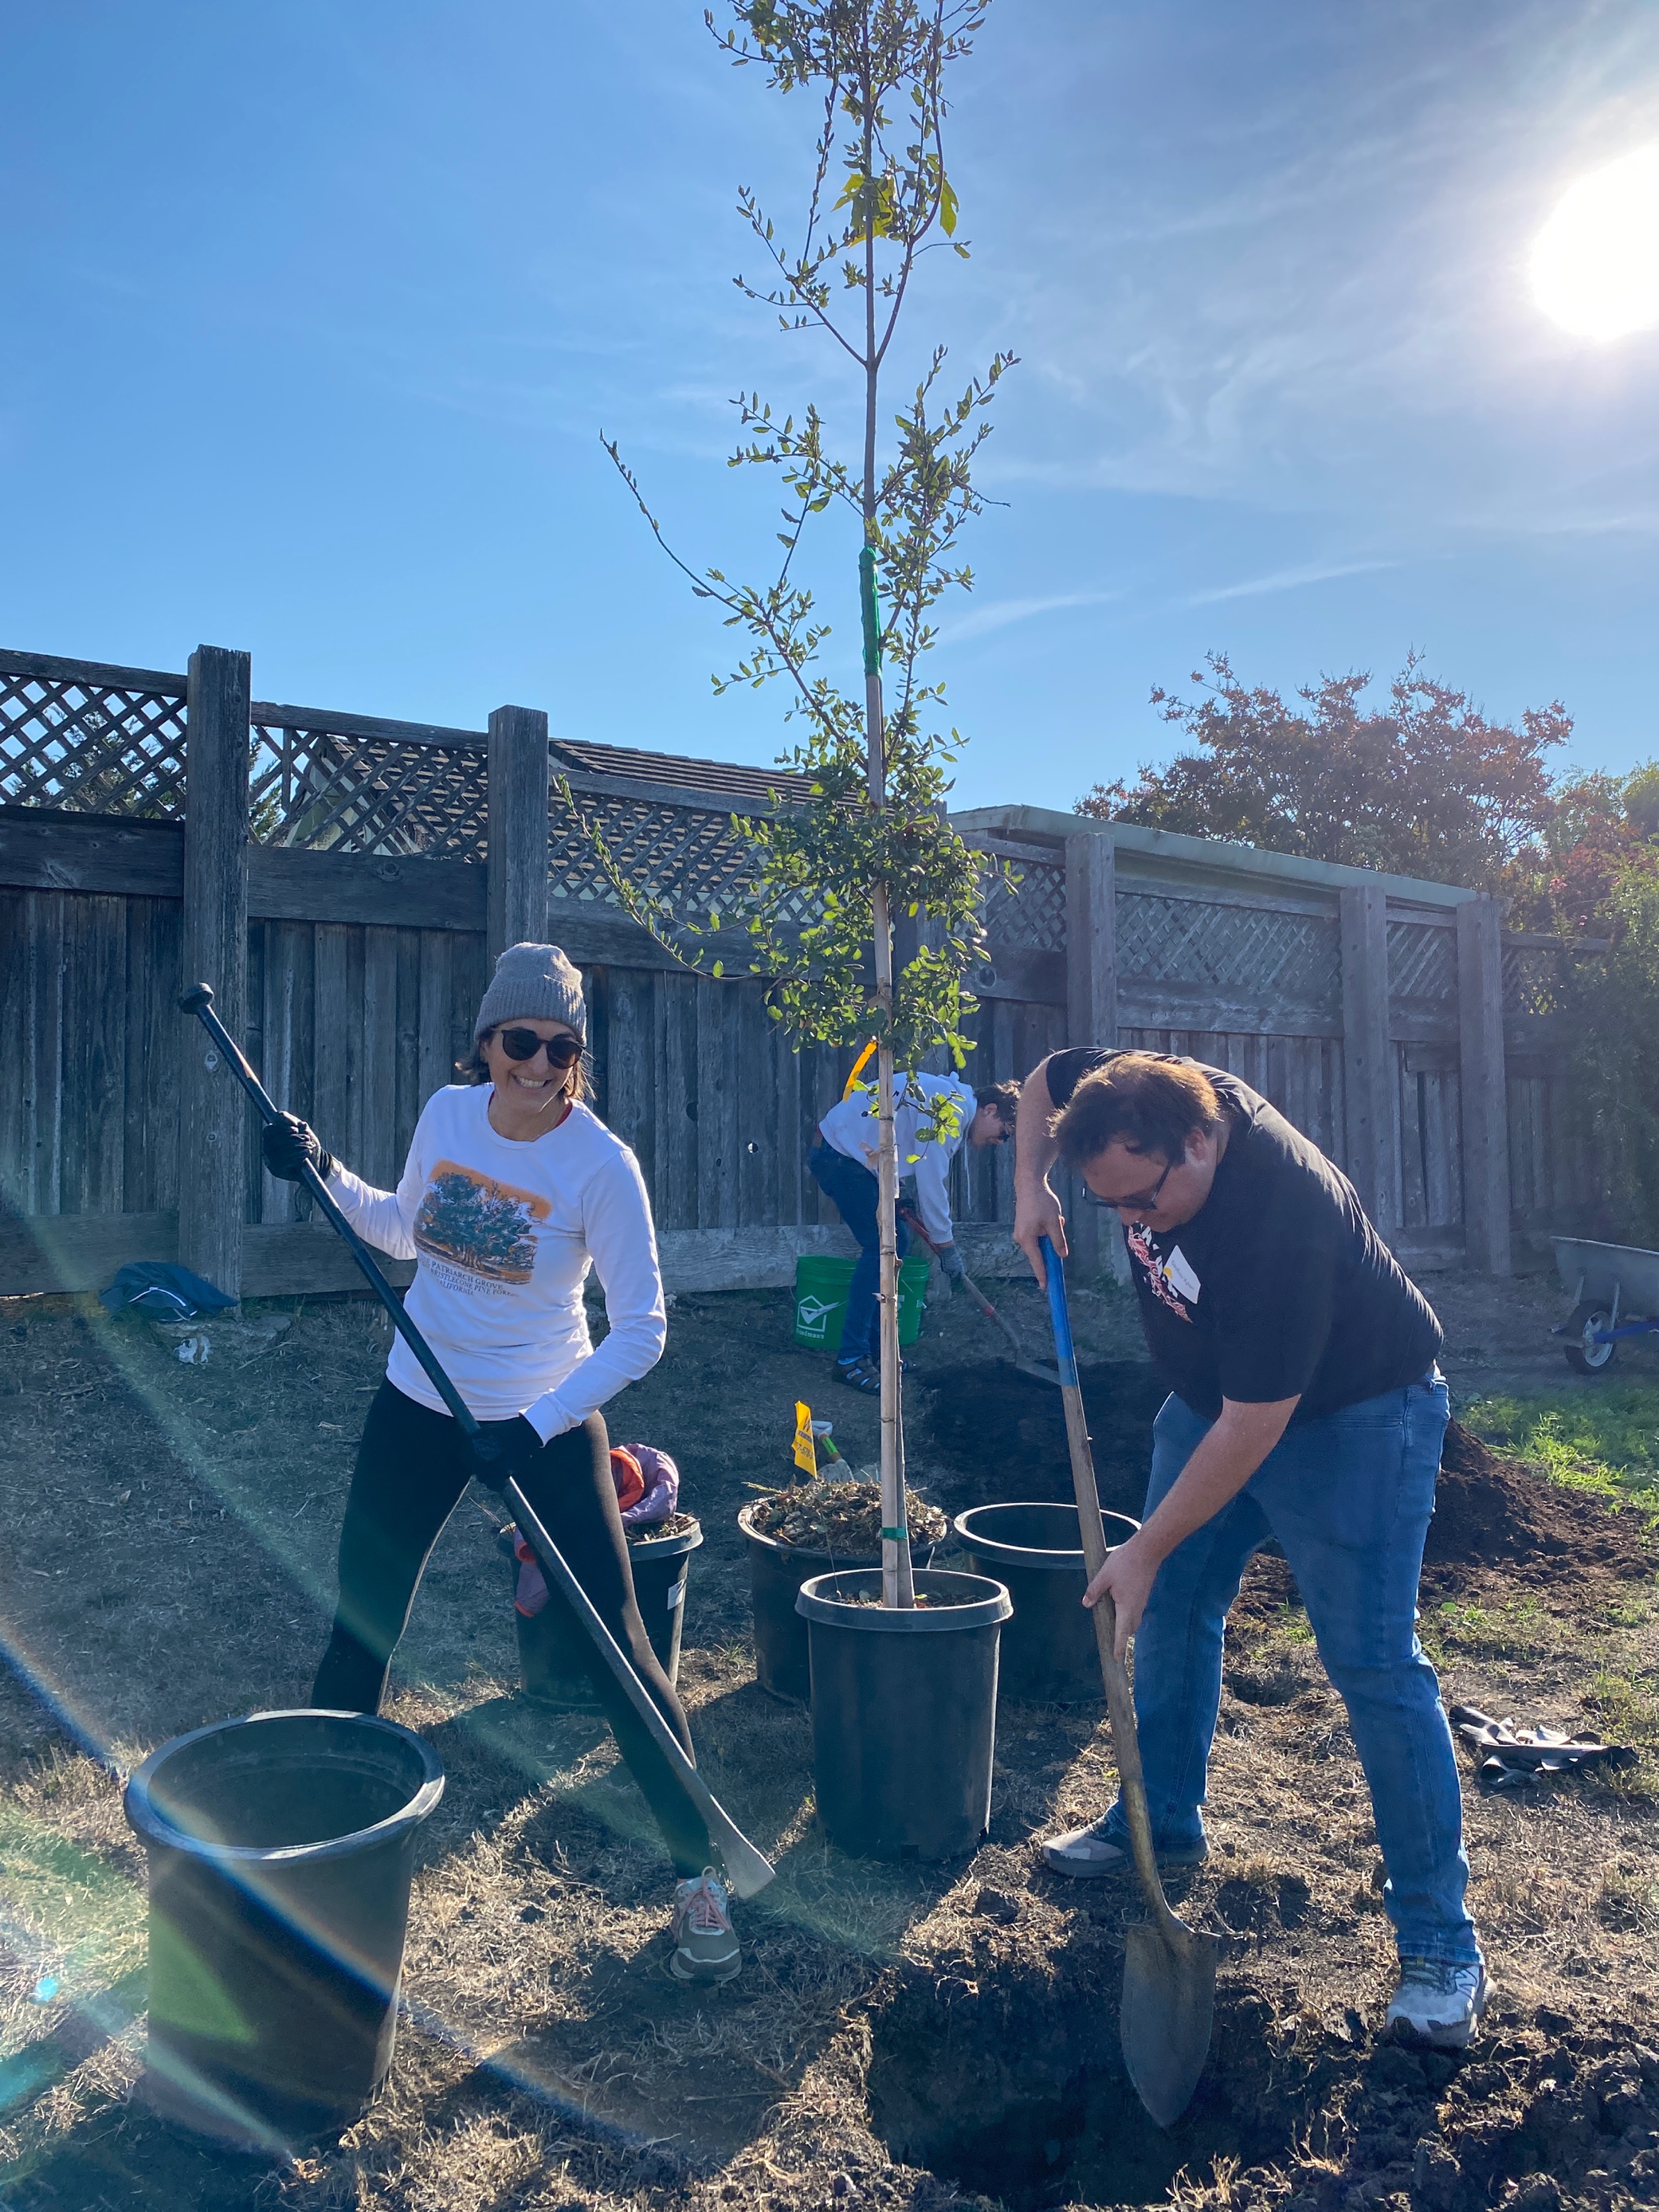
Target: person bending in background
x,y
842,1164
1305,1404
511,1191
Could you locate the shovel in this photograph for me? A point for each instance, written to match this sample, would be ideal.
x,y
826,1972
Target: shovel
x,y
1025,1364
748,1870
1168,1968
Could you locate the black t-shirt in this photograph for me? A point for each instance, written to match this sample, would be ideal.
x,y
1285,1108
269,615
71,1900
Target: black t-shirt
x,y
1278,1287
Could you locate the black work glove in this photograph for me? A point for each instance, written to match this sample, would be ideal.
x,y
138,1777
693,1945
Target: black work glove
x,y
504,1452
287,1142
952,1260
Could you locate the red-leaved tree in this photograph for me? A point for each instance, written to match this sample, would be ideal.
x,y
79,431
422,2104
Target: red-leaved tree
x,y
1421,784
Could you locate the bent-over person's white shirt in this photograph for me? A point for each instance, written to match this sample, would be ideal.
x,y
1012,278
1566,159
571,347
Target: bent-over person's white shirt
x,y
851,1128
504,1233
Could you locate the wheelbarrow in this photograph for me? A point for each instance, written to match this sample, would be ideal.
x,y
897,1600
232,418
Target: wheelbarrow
x,y
1615,1294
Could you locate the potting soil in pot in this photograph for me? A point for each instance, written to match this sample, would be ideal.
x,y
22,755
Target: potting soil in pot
x,y
653,1532
842,1517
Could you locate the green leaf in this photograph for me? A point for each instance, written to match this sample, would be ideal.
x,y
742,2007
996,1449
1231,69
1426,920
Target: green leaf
x,y
947,208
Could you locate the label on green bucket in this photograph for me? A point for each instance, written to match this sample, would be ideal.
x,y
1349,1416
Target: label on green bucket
x,y
821,1287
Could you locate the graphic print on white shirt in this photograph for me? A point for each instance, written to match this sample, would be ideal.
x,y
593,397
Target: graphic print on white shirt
x,y
479,1226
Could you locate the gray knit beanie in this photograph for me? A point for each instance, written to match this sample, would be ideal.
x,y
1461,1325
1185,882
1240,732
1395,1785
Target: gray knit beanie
x,y
533,983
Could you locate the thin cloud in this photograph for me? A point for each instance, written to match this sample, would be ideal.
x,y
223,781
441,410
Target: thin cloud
x,y
1287,580
1000,613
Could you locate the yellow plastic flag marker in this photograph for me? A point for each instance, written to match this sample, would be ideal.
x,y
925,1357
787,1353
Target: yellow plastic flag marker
x,y
859,1066
806,1457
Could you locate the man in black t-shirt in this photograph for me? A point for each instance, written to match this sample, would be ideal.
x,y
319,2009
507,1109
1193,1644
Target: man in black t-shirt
x,y
1305,1404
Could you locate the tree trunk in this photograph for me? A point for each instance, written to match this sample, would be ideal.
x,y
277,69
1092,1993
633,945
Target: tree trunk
x,y
897,1588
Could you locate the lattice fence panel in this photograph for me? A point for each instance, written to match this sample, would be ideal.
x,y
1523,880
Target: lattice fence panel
x,y
1256,952
689,856
324,792
90,747
1422,961
1538,979
1029,914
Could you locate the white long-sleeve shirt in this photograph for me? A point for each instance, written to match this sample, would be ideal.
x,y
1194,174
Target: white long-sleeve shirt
x,y
851,1128
504,1232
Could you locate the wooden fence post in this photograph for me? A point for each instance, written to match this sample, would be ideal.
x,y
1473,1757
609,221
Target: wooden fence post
x,y
212,1111
1368,1069
517,828
1483,1084
1091,1005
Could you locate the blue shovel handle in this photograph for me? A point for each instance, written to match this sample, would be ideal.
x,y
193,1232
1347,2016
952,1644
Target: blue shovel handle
x,y
1060,1314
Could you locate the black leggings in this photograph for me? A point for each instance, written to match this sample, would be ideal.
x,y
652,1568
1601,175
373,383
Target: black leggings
x,y
411,1470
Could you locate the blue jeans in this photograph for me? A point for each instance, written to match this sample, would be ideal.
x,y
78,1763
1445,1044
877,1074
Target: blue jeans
x,y
854,1191
1349,1499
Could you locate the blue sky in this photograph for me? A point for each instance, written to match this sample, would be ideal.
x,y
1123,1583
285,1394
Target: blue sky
x,y
315,314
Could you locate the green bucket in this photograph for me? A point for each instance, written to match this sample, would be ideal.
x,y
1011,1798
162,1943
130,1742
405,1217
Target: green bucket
x,y
821,1288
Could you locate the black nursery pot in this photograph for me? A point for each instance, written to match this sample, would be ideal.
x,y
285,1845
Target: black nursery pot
x,y
554,1654
1048,1651
776,1572
904,1712
281,1851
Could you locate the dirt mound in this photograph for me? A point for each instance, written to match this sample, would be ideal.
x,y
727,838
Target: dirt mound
x,y
1492,1512
1003,1436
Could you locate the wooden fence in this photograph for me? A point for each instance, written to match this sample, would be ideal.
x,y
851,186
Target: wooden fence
x,y
344,882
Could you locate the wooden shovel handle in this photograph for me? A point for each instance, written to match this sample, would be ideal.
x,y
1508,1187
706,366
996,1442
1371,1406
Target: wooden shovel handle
x,y
1119,1702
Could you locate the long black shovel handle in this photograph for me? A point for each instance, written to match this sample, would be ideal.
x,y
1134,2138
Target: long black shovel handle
x,y
1119,1703
749,1870
199,1000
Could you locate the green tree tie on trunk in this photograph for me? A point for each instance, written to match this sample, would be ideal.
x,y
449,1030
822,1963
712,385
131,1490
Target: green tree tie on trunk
x,y
869,610
870,839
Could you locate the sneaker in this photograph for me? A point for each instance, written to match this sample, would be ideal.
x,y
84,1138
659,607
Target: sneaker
x,y
1090,1853
860,1374
705,1949
1438,2003
865,1374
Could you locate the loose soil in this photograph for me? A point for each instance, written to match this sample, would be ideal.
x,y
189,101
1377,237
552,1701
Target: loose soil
x,y
899,2036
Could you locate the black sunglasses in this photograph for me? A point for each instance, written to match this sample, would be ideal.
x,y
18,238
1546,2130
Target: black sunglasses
x,y
563,1052
1139,1202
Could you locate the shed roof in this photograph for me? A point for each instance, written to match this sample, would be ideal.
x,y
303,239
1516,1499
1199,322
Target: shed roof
x,y
719,779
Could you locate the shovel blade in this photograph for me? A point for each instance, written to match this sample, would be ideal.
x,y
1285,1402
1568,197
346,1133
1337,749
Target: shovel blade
x,y
1169,2010
1038,1372
748,1870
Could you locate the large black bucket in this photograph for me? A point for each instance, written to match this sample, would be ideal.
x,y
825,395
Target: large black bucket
x,y
1049,1649
776,1572
281,1849
554,1654
904,1712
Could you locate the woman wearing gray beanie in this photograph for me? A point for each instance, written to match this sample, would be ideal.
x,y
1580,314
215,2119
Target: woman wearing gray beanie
x,y
511,1191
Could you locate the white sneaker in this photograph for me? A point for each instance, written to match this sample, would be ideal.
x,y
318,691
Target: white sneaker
x,y
1438,2003
1089,1854
705,1948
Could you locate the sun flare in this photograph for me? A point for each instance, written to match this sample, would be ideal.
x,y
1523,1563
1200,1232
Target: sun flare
x,y
1595,263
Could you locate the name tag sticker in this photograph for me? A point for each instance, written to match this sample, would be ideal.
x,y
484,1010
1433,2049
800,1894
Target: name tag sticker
x,y
1178,1273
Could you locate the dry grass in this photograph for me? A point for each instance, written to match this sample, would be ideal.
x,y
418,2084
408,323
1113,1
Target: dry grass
x,y
171,1560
